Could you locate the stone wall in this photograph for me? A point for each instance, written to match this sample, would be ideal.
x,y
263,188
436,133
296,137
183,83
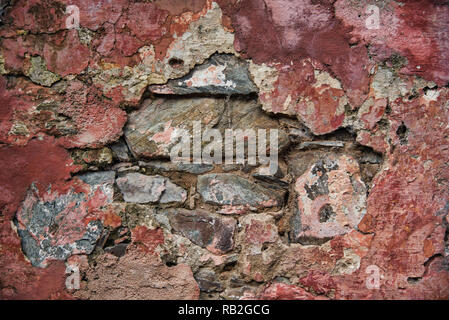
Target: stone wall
x,y
357,207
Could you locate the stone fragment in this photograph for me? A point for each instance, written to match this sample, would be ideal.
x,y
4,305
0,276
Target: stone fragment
x,y
330,200
236,194
38,73
318,144
275,180
120,151
246,114
220,74
104,180
54,226
149,129
137,275
173,193
207,281
216,234
97,157
160,166
259,229
140,188
118,250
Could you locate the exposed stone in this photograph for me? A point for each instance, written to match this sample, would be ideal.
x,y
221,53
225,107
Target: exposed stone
x,y
54,226
149,130
160,166
259,229
318,144
173,193
221,74
351,103
104,180
207,281
330,199
120,151
204,229
236,194
140,188
99,157
247,114
118,250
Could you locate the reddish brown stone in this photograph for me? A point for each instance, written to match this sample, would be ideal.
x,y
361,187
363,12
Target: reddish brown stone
x,y
138,275
216,234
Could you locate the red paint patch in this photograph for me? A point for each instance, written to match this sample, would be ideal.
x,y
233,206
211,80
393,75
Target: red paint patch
x,y
39,161
148,239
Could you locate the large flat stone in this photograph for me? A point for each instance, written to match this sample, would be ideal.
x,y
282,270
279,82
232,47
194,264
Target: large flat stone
x,y
330,200
221,74
236,194
149,129
204,229
140,188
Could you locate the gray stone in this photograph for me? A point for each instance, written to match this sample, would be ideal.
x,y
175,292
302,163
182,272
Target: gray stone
x,y
149,129
160,166
221,74
236,194
140,188
204,229
39,74
120,150
173,193
207,281
101,179
55,229
319,144
117,250
330,200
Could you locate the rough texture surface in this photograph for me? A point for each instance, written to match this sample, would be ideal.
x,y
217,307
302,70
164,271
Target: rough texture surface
x,y
358,207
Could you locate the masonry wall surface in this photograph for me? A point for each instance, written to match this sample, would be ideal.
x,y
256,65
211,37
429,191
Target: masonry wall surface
x,y
357,207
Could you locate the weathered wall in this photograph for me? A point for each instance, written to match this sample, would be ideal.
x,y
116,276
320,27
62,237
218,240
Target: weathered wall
x,y
86,117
